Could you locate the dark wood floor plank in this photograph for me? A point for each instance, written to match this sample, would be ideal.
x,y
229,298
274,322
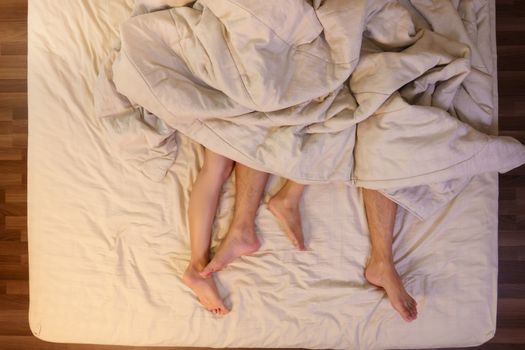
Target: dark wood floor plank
x,y
509,24
511,271
12,99
6,114
14,272
512,207
16,195
14,287
511,181
20,112
511,313
514,335
10,179
13,10
14,302
511,106
507,38
13,48
13,31
13,85
510,58
511,122
11,154
511,83
513,253
511,290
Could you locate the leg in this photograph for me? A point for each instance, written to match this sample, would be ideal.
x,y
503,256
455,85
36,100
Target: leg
x,y
380,270
285,206
204,198
241,238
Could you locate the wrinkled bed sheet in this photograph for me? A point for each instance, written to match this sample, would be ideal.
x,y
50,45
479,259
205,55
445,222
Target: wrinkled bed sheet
x,y
107,245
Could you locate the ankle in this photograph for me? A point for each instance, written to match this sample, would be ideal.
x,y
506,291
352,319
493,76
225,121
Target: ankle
x,y
242,227
287,200
244,233
381,260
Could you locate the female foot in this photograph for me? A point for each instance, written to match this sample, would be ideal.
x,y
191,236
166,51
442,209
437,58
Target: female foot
x,y
205,289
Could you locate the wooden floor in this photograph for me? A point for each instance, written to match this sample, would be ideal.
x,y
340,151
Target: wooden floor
x,y
14,299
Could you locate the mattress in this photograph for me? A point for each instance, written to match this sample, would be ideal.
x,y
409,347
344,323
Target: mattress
x,y
107,245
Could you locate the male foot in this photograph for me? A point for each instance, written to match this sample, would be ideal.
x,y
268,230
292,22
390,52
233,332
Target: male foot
x,y
238,242
206,291
289,217
384,275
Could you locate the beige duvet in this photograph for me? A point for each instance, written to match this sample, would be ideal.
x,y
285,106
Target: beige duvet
x,y
107,245
358,92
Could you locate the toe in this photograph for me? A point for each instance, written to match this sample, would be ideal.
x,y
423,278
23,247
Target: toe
x,y
214,266
404,311
413,306
207,271
413,312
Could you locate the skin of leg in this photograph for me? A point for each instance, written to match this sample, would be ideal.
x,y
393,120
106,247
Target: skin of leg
x,y
285,207
241,238
380,270
203,203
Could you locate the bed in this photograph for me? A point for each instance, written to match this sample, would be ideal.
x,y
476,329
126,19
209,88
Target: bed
x,y
107,245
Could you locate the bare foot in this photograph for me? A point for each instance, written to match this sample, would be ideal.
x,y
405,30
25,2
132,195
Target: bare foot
x,y
206,291
289,217
238,242
384,275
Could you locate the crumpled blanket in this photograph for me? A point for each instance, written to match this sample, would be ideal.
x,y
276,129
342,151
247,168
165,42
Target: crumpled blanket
x,y
379,94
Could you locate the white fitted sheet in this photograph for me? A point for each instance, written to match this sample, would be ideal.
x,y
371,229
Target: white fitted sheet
x,y
107,246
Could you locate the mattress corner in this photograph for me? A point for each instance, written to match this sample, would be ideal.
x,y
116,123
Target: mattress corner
x,y
35,326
